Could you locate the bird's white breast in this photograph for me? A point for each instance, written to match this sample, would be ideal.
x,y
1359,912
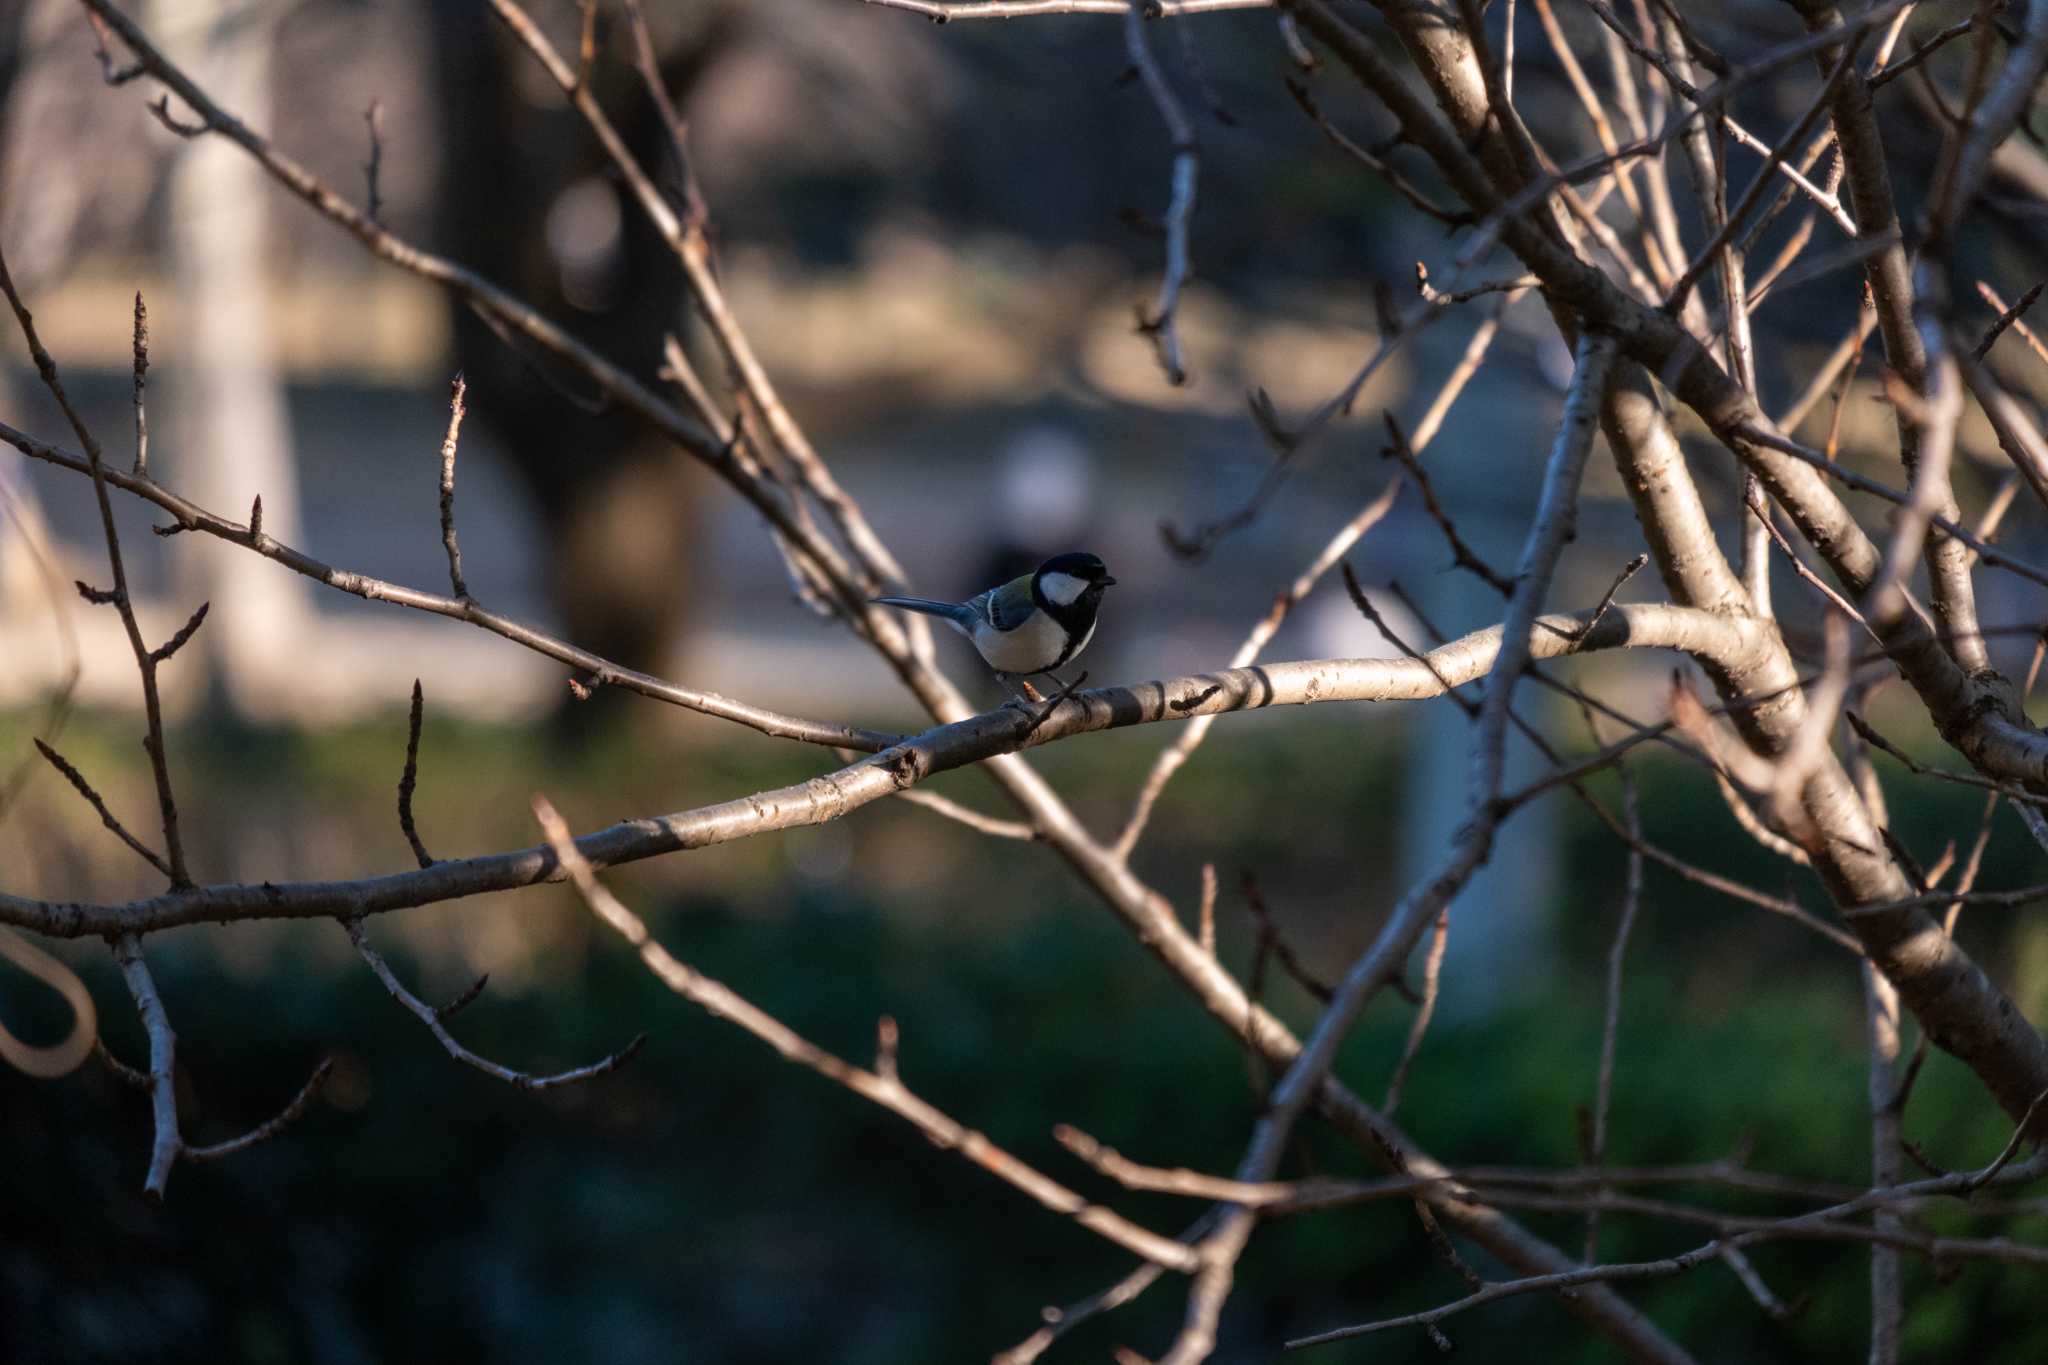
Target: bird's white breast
x,y
1031,647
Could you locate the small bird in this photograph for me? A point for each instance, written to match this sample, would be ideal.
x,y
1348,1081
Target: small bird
x,y
1030,625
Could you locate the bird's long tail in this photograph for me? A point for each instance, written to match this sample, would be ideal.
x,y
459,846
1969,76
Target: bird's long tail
x,y
958,613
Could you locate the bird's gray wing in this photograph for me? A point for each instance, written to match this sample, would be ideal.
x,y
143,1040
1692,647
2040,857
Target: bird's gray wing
x,y
1007,607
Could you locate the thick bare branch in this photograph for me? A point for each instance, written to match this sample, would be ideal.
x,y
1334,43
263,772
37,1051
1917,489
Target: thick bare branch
x,y
977,739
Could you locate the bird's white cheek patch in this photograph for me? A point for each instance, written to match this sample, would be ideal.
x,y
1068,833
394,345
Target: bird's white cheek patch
x,y
1062,588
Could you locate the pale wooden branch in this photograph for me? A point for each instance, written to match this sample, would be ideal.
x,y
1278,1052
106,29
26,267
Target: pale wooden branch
x,y
968,816
721,1002
1476,348
163,1046
1134,1175
169,1145
983,738
1990,554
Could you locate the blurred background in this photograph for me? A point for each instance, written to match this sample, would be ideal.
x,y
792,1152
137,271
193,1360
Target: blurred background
x,y
936,238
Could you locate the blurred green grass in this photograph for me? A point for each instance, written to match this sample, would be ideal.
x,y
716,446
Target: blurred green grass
x,y
711,1203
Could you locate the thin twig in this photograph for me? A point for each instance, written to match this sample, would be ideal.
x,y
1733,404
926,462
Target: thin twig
x,y
184,635
84,789
1162,322
1272,940
373,120
1462,555
2018,322
968,816
145,663
272,1126
408,778
1881,1015
1610,1025
456,411
1432,968
1176,754
601,671
141,367
2007,318
1378,165
1060,1321
1205,914
1990,553
723,1003
163,1047
432,1018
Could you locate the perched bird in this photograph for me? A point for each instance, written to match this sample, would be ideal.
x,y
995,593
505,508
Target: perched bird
x,y
1029,625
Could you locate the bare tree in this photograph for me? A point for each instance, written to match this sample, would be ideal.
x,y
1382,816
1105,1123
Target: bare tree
x,y
1655,276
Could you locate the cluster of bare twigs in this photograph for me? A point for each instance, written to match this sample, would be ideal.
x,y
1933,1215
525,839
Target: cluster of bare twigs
x,y
1662,334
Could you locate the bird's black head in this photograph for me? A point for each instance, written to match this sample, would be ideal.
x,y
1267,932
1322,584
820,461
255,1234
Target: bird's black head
x,y
1070,587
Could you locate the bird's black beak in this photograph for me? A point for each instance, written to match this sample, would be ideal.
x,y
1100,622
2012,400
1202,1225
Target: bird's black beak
x,y
1105,582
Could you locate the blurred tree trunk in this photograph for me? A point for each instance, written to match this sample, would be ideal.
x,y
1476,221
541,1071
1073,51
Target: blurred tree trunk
x,y
526,199
226,434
